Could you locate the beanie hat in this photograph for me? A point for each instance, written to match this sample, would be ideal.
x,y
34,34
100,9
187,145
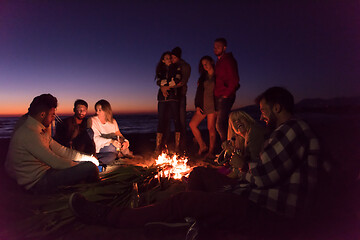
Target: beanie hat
x,y
176,51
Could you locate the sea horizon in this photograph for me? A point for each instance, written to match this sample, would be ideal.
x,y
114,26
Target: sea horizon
x,y
128,123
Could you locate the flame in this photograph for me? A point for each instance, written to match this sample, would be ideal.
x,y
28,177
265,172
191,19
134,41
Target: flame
x,y
173,167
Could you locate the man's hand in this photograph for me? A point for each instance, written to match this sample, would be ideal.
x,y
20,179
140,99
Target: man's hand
x,y
172,83
237,161
87,158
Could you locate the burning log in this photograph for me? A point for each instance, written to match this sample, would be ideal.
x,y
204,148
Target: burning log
x,y
172,166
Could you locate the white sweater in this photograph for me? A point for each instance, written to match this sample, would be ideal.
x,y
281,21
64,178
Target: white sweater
x,y
99,129
32,152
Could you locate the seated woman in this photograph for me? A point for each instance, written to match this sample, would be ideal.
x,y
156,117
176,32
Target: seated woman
x,y
205,106
245,141
109,142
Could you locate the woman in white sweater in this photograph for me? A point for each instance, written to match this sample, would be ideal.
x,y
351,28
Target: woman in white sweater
x,y
109,142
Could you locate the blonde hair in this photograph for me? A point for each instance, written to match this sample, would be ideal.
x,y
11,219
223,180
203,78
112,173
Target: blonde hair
x,y
234,116
106,107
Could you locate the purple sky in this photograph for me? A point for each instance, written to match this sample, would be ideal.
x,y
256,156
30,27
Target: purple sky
x,y
109,49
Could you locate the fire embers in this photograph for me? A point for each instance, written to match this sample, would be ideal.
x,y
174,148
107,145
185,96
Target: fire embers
x,y
172,166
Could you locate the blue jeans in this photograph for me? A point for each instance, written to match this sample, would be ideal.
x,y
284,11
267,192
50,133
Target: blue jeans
x,y
54,178
107,154
223,106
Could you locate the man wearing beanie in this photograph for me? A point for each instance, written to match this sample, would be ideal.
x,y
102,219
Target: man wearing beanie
x,y
226,84
183,71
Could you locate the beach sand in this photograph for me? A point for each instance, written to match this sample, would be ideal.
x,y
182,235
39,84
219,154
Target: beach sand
x,y
339,216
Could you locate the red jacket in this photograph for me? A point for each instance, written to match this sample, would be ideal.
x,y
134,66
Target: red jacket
x,y
227,76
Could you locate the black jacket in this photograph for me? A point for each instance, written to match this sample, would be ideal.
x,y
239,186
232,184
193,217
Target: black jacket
x,y
167,74
69,134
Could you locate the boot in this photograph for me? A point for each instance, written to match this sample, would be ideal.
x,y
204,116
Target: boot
x,y
159,137
177,142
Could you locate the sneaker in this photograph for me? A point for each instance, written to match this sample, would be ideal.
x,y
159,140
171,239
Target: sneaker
x,y
86,211
193,232
166,230
167,226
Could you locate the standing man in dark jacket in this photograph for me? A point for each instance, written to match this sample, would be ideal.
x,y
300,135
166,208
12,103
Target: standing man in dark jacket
x,y
72,132
183,71
226,84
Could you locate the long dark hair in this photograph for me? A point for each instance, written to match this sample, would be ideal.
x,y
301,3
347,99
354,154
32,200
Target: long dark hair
x,y
161,66
201,68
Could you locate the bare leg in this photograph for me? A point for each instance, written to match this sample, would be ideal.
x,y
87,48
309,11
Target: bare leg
x,y
194,123
211,120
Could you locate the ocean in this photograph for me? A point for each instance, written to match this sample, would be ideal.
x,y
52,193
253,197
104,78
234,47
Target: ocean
x,y
128,124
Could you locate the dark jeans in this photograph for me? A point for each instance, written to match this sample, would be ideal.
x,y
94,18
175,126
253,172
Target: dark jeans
x,y
183,125
53,178
208,180
166,111
223,106
214,207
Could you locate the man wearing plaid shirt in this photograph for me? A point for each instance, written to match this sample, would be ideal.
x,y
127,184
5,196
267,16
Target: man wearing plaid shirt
x,y
284,178
281,181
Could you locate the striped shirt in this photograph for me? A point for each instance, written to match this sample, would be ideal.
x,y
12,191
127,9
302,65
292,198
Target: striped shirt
x,y
284,177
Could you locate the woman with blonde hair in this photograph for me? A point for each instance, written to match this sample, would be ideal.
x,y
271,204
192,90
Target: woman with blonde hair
x,y
109,142
245,138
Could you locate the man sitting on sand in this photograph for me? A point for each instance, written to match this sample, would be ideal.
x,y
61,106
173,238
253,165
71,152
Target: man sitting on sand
x,y
72,132
279,186
40,164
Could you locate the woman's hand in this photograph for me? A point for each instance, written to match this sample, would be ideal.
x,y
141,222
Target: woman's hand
x,y
125,145
117,144
237,161
164,90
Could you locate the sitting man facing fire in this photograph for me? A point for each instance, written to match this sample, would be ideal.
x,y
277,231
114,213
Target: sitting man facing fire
x,y
279,185
40,164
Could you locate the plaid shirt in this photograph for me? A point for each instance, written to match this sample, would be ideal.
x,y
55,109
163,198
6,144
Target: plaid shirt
x,y
285,176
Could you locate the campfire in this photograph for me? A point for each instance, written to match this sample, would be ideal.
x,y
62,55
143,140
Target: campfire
x,y
172,166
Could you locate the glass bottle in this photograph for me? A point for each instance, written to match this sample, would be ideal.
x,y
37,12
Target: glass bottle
x,y
134,201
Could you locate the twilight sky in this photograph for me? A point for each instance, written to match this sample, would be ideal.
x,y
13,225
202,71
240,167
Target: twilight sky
x,y
109,49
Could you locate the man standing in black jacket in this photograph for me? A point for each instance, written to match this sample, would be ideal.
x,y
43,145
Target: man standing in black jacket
x,y
184,70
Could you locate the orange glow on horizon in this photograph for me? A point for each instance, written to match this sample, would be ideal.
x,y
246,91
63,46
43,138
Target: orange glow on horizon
x,y
16,109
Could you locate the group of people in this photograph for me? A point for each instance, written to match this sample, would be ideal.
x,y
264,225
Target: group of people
x,y
276,177
274,169
215,95
42,163
98,135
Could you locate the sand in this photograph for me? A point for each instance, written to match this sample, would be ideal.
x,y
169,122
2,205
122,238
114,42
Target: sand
x,y
339,210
